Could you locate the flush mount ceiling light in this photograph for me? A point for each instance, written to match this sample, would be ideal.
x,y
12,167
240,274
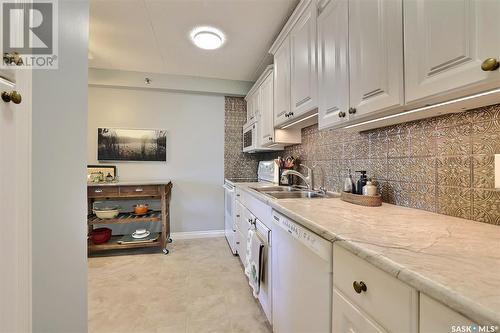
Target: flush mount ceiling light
x,y
207,38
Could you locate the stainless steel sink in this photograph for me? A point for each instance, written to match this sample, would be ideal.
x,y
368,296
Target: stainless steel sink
x,y
292,192
300,195
277,189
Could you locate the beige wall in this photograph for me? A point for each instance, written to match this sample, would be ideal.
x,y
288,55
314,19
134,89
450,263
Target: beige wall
x,y
195,147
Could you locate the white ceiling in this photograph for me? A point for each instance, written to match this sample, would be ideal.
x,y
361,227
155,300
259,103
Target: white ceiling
x,y
153,35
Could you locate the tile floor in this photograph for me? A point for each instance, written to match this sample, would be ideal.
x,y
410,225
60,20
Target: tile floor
x,y
198,287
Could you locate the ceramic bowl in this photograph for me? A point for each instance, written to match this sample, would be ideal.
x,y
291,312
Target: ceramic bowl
x,y
100,235
106,214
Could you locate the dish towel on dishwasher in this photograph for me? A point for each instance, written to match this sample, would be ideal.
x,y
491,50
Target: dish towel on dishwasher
x,y
253,262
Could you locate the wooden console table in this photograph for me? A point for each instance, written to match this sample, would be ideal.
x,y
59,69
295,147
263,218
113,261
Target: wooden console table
x,y
127,191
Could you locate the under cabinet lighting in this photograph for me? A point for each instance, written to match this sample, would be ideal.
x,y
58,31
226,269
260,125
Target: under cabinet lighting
x,y
300,120
428,107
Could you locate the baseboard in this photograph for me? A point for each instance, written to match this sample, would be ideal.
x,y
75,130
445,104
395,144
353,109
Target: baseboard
x,y
196,234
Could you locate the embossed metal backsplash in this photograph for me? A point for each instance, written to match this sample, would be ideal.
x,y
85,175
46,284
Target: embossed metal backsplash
x,y
236,163
443,164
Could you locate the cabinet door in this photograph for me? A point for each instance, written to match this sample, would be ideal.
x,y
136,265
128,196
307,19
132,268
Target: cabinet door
x,y
250,108
445,43
375,55
304,70
256,104
267,111
436,317
333,70
282,83
349,319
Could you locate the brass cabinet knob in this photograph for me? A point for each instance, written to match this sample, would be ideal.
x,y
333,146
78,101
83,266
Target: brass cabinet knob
x,y
490,64
359,287
352,110
13,97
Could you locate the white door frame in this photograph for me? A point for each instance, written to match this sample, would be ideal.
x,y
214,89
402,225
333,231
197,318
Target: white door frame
x,y
16,198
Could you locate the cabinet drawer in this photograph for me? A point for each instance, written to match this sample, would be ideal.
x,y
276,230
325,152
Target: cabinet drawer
x,y
139,190
102,192
390,302
349,319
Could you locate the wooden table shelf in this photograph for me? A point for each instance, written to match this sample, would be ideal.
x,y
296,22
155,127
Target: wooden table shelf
x,y
126,218
126,191
113,245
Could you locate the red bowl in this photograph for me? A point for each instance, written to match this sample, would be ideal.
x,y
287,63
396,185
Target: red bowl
x,y
100,235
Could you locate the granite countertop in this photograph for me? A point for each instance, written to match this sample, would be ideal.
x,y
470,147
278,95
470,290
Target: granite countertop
x,y
453,260
131,183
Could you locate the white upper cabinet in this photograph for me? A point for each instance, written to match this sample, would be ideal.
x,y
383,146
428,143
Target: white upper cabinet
x,y
267,110
256,104
252,106
446,42
333,64
304,70
282,83
375,56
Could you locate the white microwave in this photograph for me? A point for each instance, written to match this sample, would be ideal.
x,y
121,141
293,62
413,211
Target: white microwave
x,y
250,137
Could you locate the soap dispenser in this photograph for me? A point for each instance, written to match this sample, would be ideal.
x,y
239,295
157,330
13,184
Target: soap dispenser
x,y
361,182
370,188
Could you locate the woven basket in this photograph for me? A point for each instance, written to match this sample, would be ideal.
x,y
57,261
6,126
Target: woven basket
x,y
362,200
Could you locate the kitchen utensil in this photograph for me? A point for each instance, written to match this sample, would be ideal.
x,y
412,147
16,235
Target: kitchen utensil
x,y
100,235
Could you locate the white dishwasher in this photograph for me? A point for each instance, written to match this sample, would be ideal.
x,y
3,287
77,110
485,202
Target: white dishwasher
x,y
302,279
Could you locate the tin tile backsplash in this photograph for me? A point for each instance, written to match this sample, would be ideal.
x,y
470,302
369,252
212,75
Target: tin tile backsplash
x,y
443,164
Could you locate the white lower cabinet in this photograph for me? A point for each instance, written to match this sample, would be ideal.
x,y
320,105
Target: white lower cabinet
x,y
389,302
436,317
347,318
242,227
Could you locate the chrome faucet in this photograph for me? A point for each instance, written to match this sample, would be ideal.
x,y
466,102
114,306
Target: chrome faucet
x,y
309,179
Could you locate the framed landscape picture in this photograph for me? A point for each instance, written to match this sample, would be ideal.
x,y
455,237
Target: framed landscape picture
x,y
140,145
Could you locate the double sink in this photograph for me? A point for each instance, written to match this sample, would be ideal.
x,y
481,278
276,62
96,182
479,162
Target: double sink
x,y
291,192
